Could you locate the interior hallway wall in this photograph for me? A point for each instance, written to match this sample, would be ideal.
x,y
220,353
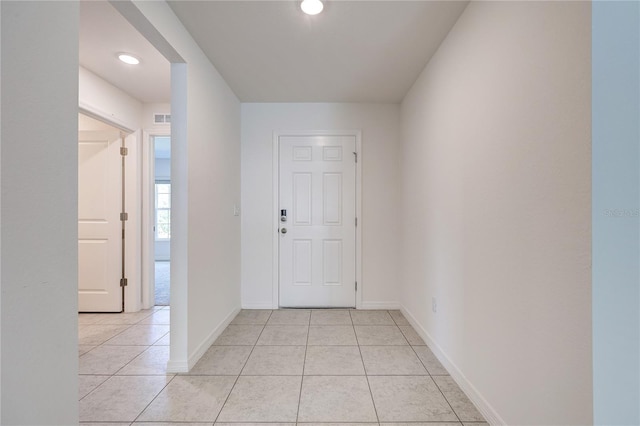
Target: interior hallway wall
x,y
39,196
496,214
380,126
205,269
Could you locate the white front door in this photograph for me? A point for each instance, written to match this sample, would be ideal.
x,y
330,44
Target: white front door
x,y
317,240
99,226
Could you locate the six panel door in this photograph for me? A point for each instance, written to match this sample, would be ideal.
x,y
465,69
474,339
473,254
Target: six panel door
x,y
317,242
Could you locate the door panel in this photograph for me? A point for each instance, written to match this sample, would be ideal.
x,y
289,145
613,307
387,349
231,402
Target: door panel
x,y
332,262
302,262
332,199
317,252
302,198
99,226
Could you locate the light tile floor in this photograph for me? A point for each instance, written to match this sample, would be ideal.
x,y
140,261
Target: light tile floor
x,y
278,367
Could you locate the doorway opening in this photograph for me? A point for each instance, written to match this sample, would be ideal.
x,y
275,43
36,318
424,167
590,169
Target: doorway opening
x,y
162,218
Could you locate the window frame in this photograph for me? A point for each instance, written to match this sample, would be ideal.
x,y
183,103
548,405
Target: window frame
x,y
156,209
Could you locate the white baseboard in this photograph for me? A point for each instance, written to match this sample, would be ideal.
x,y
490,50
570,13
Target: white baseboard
x,y
365,305
265,305
177,367
206,343
380,305
489,413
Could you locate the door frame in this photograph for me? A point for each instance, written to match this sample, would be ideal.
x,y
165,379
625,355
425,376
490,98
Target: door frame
x,y
132,200
148,214
275,219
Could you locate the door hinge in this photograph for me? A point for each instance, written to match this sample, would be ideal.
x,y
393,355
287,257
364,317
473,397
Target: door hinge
x,y
356,221
355,154
124,217
356,285
124,151
123,282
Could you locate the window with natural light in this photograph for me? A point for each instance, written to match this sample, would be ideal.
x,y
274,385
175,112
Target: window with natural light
x,y
163,211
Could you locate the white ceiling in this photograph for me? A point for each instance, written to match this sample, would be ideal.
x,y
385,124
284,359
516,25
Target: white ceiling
x,y
103,34
269,51
354,51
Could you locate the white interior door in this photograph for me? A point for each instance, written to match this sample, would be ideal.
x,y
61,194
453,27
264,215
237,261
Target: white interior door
x,y
317,242
99,226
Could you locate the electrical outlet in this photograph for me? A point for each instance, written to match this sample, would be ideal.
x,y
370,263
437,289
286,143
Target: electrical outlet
x,y
434,305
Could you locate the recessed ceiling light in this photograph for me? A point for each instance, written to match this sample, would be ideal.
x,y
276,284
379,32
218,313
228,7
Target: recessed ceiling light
x,y
311,7
128,59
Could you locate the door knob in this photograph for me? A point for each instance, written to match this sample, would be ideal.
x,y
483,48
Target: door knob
x,y
283,230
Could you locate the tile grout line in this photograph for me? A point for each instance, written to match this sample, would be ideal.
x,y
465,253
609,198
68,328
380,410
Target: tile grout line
x,y
428,372
130,361
153,399
446,399
114,375
253,347
304,363
373,401
119,333
116,372
94,389
242,369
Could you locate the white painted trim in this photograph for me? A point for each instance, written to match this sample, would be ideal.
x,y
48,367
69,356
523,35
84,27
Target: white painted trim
x,y
276,219
206,343
148,213
257,306
148,241
489,413
133,226
105,117
275,280
148,273
177,367
359,156
394,306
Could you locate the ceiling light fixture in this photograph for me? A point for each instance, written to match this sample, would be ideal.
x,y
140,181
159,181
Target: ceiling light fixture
x,y
311,7
128,59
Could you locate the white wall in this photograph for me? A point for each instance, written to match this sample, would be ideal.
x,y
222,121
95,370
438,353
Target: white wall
x,y
206,184
379,124
496,209
99,97
39,213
